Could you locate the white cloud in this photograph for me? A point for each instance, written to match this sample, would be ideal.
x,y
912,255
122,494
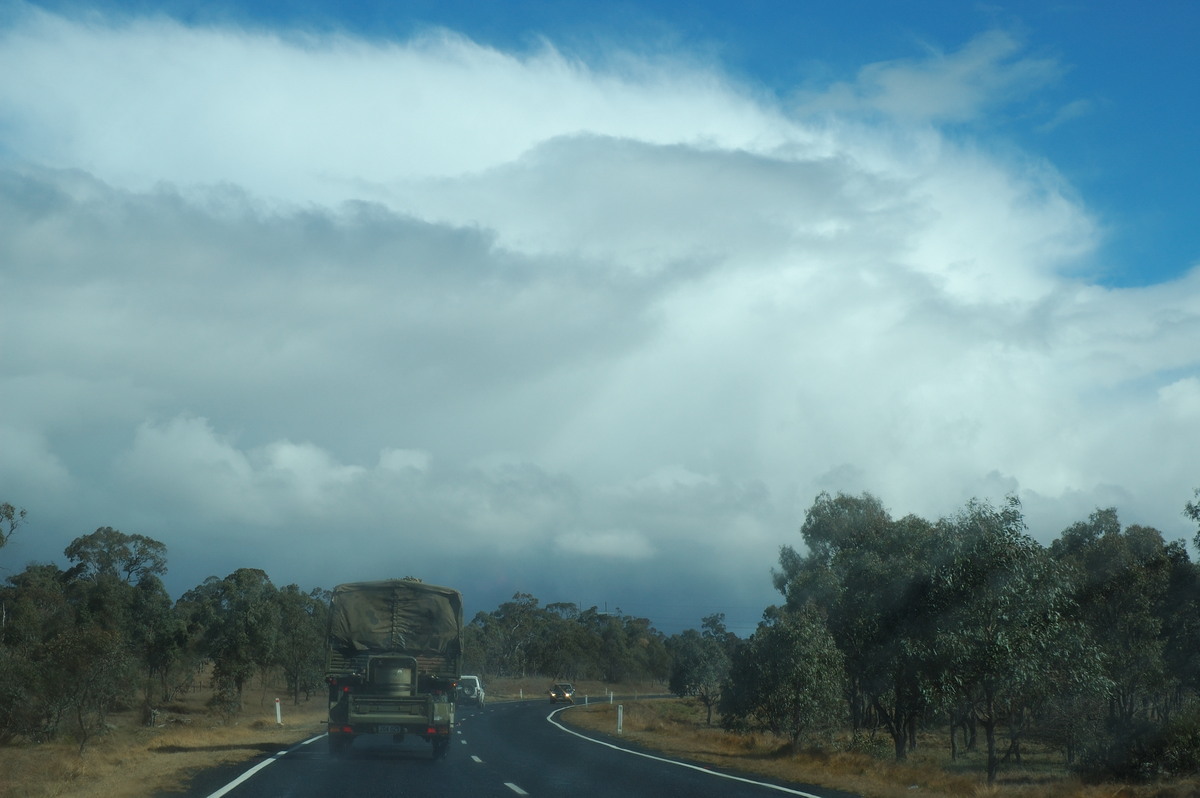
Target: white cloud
x,y
454,305
945,87
323,118
612,544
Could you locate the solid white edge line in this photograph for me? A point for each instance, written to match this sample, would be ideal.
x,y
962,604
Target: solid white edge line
x,y
689,766
260,766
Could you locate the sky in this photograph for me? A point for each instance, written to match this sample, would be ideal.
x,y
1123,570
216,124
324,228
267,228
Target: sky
x,y
589,301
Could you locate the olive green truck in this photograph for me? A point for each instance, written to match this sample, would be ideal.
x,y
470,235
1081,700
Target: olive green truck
x,y
395,655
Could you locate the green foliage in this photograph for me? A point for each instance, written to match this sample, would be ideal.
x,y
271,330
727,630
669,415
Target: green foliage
x,y
1191,510
1005,642
300,652
10,519
109,552
520,638
238,619
868,576
1143,750
787,679
700,663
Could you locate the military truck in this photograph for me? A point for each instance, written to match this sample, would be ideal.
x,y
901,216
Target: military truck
x,y
395,652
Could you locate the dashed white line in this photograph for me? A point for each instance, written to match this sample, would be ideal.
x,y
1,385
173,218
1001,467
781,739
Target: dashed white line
x,y
515,788
476,759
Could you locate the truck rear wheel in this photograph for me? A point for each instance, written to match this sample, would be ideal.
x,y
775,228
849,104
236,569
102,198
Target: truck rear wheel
x,y
338,743
441,746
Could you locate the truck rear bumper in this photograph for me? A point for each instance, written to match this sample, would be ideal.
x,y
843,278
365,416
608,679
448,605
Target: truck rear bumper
x,y
377,727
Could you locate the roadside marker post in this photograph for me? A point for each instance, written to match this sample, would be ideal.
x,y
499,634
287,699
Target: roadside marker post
x,y
620,718
278,714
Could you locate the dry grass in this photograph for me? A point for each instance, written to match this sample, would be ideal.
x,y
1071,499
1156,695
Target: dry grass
x,y
677,728
132,761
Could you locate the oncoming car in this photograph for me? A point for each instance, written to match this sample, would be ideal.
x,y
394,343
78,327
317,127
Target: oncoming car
x,y
562,691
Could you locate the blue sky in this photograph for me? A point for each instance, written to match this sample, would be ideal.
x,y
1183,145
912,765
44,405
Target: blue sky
x,y
589,301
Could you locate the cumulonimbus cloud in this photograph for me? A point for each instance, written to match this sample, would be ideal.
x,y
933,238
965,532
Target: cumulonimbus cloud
x,y
428,285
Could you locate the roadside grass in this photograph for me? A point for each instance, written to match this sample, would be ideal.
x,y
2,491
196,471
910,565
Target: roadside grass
x,y
134,761
676,728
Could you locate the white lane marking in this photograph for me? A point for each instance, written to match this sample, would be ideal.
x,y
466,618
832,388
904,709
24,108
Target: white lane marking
x,y
515,788
476,759
687,765
260,766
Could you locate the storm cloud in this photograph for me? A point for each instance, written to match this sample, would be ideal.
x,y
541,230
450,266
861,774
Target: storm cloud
x,y
597,331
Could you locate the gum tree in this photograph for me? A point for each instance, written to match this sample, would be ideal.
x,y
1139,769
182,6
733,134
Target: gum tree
x,y
1006,638
869,575
700,663
787,678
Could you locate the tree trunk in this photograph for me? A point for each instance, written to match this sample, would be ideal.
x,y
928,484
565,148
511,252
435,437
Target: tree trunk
x,y
989,731
993,761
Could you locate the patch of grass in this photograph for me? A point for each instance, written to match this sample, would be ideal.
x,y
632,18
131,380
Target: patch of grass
x,y
677,729
133,760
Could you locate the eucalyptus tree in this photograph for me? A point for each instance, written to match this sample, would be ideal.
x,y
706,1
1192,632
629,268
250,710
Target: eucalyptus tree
x,y
39,616
511,631
1120,580
787,678
10,518
93,669
237,619
566,649
699,667
1006,640
1192,511
110,552
869,576
300,650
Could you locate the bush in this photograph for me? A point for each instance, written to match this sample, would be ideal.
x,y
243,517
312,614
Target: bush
x,y
1145,751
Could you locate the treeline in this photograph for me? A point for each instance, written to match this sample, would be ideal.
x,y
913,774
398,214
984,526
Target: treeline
x,y
888,628
967,625
104,635
561,641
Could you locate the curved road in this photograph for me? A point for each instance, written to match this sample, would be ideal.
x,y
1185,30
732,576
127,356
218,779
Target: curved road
x,y
502,750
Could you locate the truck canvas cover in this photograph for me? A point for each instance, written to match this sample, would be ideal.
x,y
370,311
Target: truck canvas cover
x,y
393,615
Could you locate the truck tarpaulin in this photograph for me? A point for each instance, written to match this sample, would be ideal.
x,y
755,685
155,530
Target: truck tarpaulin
x,y
395,615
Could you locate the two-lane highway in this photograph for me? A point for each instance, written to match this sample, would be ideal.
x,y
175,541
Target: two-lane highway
x,y
503,749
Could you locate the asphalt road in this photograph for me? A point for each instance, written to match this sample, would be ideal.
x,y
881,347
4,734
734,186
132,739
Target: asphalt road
x,y
502,750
